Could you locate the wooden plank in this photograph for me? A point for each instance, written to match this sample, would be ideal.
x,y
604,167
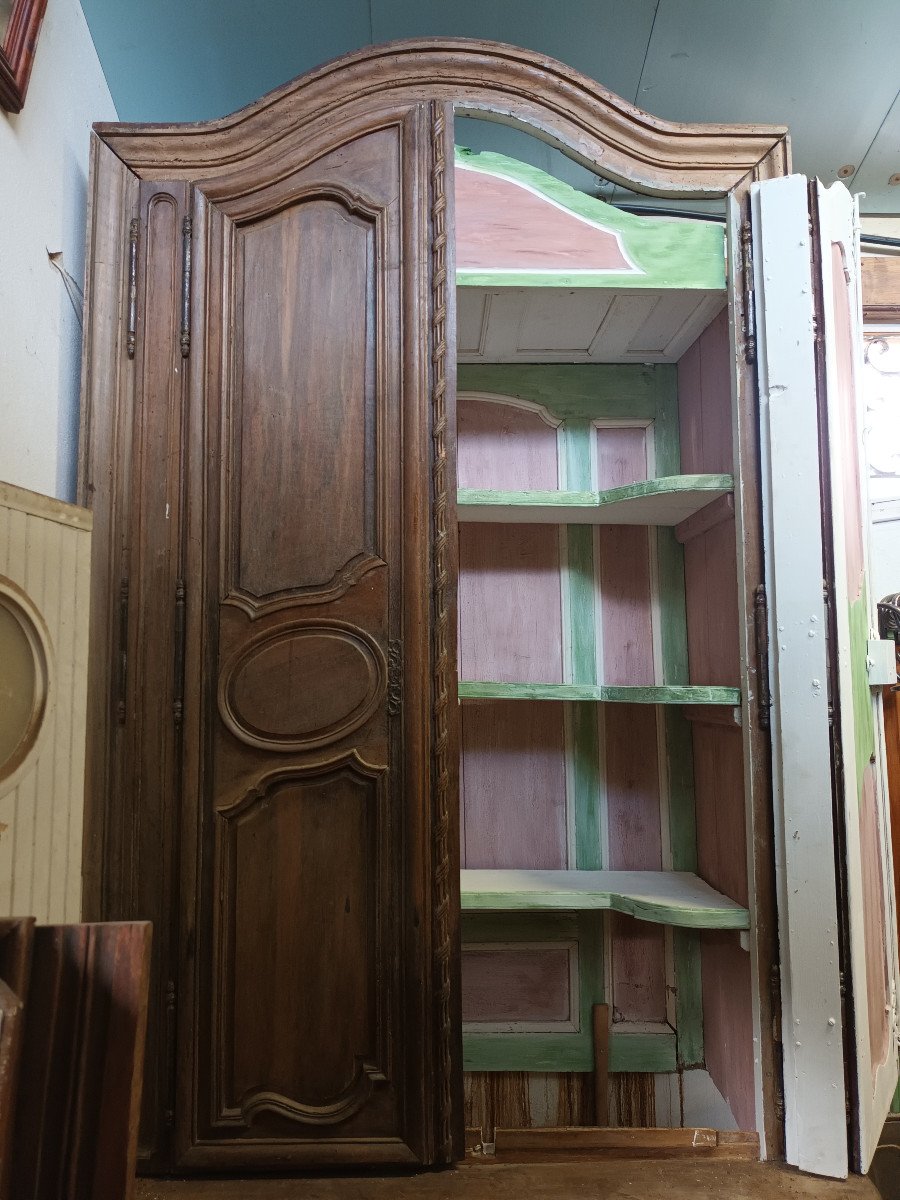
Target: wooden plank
x,y
668,897
585,1145
705,518
16,938
665,501
600,693
600,1015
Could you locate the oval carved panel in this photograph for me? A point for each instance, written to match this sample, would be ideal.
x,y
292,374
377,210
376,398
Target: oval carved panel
x,y
302,686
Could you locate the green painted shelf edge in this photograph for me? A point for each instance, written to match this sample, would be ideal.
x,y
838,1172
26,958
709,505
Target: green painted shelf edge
x,y
676,898
644,1052
664,501
601,693
685,254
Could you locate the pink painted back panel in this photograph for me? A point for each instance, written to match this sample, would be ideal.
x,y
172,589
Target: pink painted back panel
x,y
516,983
505,447
513,784
719,805
502,224
711,591
631,766
510,603
728,1021
704,402
631,770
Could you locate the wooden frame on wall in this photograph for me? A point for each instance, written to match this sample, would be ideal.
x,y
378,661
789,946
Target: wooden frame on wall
x,y
19,34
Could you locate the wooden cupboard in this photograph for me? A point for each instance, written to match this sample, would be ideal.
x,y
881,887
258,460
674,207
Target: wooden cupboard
x,y
273,436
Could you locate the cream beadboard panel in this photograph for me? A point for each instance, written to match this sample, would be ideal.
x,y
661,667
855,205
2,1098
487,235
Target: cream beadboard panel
x,y
45,548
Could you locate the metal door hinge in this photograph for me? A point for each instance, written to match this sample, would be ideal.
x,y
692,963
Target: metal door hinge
x,y
131,333
178,703
121,705
749,323
187,226
395,678
761,620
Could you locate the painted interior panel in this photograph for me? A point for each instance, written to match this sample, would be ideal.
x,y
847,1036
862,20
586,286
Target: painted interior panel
x,y
513,785
510,603
713,652
504,446
518,985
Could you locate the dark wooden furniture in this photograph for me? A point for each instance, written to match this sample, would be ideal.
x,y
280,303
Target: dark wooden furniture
x,y
269,452
68,1122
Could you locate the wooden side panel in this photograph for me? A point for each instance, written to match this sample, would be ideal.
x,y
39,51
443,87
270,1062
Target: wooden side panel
x,y
307,710
631,764
711,587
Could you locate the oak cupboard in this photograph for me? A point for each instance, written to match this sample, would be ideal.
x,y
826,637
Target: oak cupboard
x,y
299,737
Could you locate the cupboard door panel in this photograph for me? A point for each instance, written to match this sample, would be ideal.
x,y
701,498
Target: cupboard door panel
x,y
308,667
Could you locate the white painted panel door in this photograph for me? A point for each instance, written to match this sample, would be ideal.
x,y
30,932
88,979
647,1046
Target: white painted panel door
x,y
828,791
859,723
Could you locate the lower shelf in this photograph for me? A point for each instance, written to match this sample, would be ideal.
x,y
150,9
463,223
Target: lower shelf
x,y
601,693
665,897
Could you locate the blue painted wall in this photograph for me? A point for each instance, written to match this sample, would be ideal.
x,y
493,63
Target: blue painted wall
x,y
827,68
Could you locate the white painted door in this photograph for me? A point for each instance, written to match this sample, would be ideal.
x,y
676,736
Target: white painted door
x,y
827,737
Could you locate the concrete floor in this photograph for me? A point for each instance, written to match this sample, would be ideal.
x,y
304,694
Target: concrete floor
x,y
621,1179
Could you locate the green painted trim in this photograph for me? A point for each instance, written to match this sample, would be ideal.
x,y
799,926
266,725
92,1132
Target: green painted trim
x,y
683,254
676,910
688,997
579,390
645,1052
600,693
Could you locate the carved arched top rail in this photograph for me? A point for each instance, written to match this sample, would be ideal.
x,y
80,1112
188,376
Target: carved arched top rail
x,y
503,83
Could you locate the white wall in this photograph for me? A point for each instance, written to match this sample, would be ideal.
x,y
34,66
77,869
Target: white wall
x,y
43,186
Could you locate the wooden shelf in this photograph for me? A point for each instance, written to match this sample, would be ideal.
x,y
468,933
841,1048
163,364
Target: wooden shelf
x,y
601,693
665,897
666,501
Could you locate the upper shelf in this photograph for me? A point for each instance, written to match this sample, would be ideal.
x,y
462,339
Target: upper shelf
x,y
666,897
665,501
546,273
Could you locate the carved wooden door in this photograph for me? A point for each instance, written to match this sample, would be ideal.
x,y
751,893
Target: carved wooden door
x,y
305,1031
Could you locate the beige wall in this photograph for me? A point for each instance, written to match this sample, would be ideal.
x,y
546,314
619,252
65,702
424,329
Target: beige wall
x,y
43,184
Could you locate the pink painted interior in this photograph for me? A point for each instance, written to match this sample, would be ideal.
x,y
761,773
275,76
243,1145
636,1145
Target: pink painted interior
x,y
513,784
505,447
704,400
728,1022
503,225
510,603
516,984
631,767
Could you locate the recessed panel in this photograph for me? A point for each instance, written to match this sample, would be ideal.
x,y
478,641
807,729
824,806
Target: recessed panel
x,y
559,320
505,447
304,398
517,984
510,603
513,784
299,917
